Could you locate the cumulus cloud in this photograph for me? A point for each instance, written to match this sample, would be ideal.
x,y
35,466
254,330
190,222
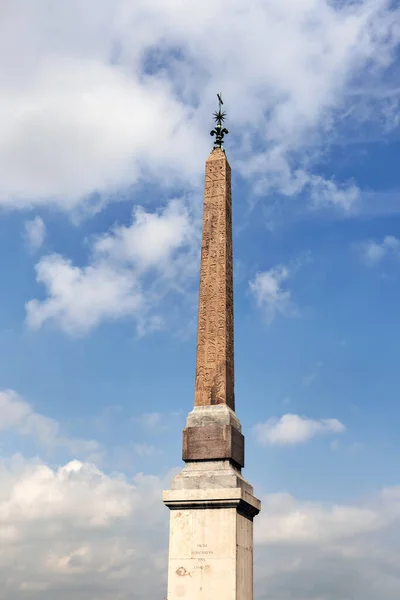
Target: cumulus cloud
x,y
35,232
293,429
285,520
76,530
374,252
19,416
152,240
130,270
271,297
80,298
93,107
84,127
312,550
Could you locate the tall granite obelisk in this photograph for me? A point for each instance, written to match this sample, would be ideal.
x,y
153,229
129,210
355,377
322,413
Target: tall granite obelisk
x,y
212,505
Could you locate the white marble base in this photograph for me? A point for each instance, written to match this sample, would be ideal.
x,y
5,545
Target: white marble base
x,y
211,544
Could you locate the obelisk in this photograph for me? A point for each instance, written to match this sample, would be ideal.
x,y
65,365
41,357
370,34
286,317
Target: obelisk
x,y
211,505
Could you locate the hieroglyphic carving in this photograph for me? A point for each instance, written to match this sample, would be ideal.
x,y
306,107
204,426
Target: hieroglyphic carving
x,y
215,353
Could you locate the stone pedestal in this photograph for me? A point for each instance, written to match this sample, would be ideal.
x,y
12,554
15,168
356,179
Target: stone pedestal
x,y
213,433
211,542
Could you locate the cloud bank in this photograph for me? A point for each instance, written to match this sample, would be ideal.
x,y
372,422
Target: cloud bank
x,y
91,105
77,530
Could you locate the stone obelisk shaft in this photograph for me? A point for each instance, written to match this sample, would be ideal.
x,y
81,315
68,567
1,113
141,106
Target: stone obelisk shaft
x,y
215,347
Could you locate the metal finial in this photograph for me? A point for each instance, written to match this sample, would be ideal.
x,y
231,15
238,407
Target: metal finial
x,y
220,131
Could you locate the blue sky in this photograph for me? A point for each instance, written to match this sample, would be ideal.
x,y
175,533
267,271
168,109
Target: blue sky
x,y
106,109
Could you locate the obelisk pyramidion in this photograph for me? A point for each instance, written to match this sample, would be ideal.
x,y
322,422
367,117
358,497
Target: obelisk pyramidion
x,y
211,505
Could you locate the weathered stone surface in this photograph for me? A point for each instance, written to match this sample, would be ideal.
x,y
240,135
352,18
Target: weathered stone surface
x,y
211,544
219,414
210,475
215,346
213,441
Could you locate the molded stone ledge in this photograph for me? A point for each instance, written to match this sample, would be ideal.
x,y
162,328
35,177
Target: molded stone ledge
x,y
210,475
246,504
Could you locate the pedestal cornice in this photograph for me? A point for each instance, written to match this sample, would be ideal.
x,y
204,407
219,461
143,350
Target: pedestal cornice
x,y
246,504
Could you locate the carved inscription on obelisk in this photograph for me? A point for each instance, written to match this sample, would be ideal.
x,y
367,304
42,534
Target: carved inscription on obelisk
x,y
215,354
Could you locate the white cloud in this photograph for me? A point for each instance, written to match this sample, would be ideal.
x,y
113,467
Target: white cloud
x,y
270,296
130,270
43,492
75,530
86,126
328,551
284,520
293,429
80,298
152,240
374,252
90,105
325,193
35,232
273,172
18,415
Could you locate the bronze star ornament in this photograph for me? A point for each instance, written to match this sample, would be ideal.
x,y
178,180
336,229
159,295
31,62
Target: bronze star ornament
x,y
220,131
